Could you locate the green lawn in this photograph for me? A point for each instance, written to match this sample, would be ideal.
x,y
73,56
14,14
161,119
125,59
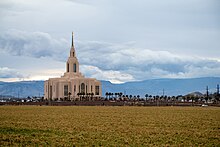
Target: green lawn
x,y
109,126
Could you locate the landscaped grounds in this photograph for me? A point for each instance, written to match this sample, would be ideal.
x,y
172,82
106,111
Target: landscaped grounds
x,y
109,126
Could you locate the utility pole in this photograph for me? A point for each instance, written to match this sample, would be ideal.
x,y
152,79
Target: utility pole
x,y
217,94
207,93
217,89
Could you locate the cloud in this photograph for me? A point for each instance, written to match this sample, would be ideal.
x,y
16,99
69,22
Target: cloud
x,y
143,64
107,61
108,75
33,44
6,72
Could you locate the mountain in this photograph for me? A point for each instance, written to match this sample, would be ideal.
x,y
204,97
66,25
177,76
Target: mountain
x,y
151,87
22,89
170,86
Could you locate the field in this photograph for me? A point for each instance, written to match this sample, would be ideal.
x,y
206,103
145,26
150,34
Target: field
x,y
109,126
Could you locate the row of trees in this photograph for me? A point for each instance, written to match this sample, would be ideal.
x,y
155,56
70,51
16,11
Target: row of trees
x,y
164,98
119,95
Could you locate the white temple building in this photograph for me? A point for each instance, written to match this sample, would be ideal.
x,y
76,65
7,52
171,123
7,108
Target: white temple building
x,y
72,85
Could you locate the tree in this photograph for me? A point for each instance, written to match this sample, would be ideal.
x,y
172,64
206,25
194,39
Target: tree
x,y
161,98
69,95
184,98
130,96
120,94
173,98
138,96
112,94
192,98
106,94
150,96
146,96
92,94
79,95
116,95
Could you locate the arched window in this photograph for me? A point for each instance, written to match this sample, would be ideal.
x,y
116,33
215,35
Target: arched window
x,y
82,88
96,90
65,90
74,67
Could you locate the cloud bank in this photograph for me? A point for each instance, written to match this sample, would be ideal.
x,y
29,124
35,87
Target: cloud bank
x,y
107,61
141,64
34,44
6,72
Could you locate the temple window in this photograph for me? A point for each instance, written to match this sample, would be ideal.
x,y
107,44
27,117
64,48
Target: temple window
x,y
74,67
96,90
82,88
65,90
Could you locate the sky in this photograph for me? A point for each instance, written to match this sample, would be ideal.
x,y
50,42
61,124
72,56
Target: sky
x,y
117,41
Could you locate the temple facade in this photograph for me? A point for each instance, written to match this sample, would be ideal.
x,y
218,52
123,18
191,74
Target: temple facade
x,y
73,85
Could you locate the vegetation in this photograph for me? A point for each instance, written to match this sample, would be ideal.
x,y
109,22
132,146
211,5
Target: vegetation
x,y
109,126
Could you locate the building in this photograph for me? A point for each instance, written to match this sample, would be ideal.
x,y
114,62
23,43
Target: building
x,y
72,85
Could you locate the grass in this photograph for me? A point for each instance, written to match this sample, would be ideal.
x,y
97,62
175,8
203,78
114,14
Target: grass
x,y
109,126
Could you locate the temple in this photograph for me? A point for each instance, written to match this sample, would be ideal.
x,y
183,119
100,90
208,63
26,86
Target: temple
x,y
72,85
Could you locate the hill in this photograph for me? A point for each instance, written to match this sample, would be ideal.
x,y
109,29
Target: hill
x,y
152,87
170,86
22,89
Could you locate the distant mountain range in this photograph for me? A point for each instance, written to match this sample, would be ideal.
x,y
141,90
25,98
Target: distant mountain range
x,y
151,87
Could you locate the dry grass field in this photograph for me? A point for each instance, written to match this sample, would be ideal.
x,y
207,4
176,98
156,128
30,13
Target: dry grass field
x,y
109,126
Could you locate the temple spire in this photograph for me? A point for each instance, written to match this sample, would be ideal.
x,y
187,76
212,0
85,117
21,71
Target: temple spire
x,y
72,39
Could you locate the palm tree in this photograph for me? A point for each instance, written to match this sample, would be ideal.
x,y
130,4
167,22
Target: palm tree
x,y
146,96
184,98
130,96
87,96
92,94
150,96
116,95
138,96
109,95
106,94
83,95
112,94
69,95
120,94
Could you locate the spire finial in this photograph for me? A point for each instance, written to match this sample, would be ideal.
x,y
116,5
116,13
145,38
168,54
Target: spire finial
x,y
72,39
